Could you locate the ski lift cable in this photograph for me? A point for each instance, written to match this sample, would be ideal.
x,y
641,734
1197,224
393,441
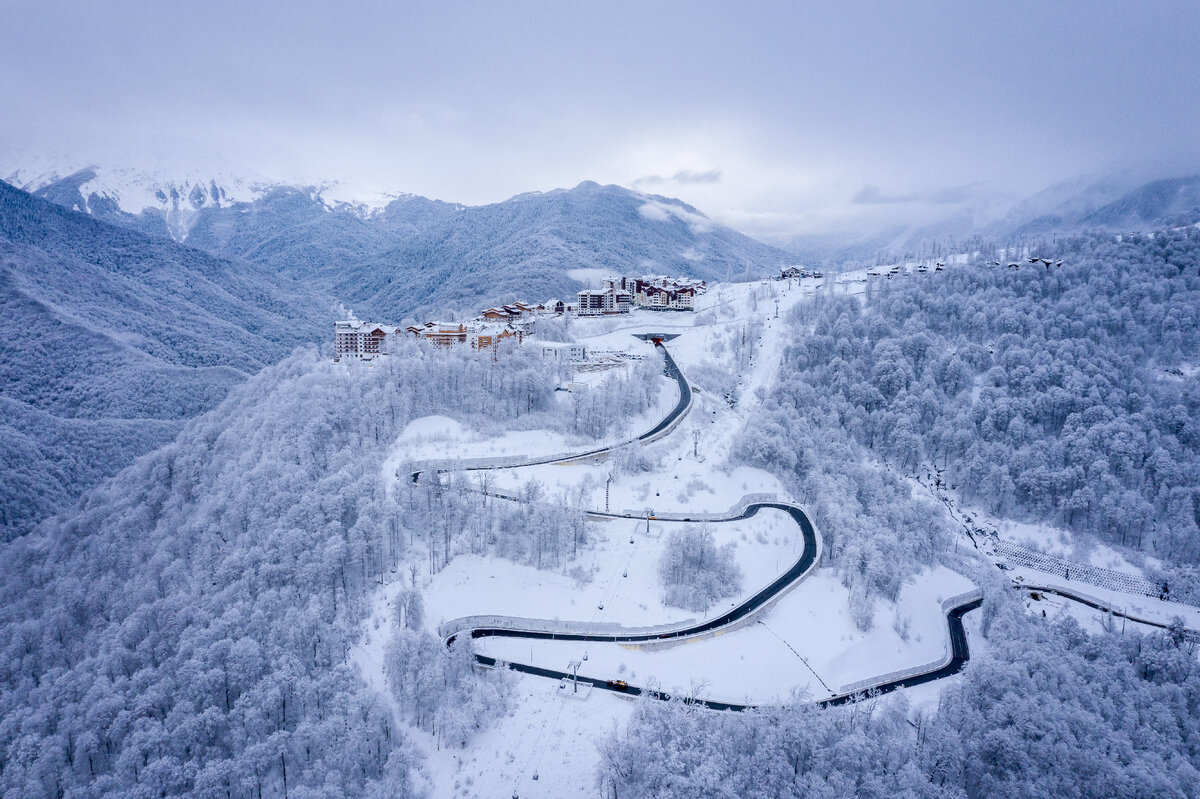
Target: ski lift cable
x,y
539,749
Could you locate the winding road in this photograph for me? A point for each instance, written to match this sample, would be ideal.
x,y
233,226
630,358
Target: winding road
x,y
476,627
958,640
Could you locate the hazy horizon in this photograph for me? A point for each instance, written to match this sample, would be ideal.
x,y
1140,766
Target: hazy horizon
x,y
778,121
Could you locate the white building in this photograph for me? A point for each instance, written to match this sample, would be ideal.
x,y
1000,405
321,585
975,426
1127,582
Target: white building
x,y
660,292
564,352
356,340
481,335
660,298
598,302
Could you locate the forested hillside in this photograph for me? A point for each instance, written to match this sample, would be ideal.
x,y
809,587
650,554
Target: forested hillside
x,y
525,246
419,255
1066,394
294,231
1050,711
187,630
114,339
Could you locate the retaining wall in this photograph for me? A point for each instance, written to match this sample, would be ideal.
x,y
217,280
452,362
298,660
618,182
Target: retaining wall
x,y
733,513
553,626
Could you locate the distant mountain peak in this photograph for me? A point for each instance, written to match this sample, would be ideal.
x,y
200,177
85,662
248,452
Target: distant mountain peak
x,y
108,192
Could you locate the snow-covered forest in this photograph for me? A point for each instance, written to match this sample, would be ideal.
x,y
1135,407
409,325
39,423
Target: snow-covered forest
x,y
1052,711
877,534
1044,393
695,572
187,630
1061,394
599,401
191,629
112,340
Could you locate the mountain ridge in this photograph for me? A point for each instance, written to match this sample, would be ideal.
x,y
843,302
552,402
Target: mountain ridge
x,y
415,255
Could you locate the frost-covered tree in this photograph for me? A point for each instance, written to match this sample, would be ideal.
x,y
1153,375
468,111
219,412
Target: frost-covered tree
x,y
695,572
1065,394
188,629
1047,711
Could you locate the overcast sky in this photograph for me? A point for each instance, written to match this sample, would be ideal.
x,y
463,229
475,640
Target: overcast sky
x,y
776,118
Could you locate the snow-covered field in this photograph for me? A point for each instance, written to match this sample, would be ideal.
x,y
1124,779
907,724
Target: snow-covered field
x,y
549,733
619,572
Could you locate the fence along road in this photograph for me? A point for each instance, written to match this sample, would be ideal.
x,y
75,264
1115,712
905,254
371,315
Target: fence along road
x,y
670,635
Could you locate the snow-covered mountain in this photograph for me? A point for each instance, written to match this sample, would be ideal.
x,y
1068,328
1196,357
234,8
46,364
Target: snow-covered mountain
x,y
537,245
397,254
170,200
151,200
1117,203
270,574
91,253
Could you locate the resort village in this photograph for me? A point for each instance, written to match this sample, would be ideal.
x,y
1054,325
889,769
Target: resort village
x,y
357,340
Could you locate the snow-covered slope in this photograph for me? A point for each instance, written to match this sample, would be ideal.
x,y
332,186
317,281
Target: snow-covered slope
x,y
138,197
113,339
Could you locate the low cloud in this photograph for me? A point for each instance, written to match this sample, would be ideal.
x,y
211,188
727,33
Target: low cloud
x,y
949,195
684,177
695,176
655,212
662,212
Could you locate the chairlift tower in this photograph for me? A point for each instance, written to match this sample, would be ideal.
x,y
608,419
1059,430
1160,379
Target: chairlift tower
x,y
574,667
